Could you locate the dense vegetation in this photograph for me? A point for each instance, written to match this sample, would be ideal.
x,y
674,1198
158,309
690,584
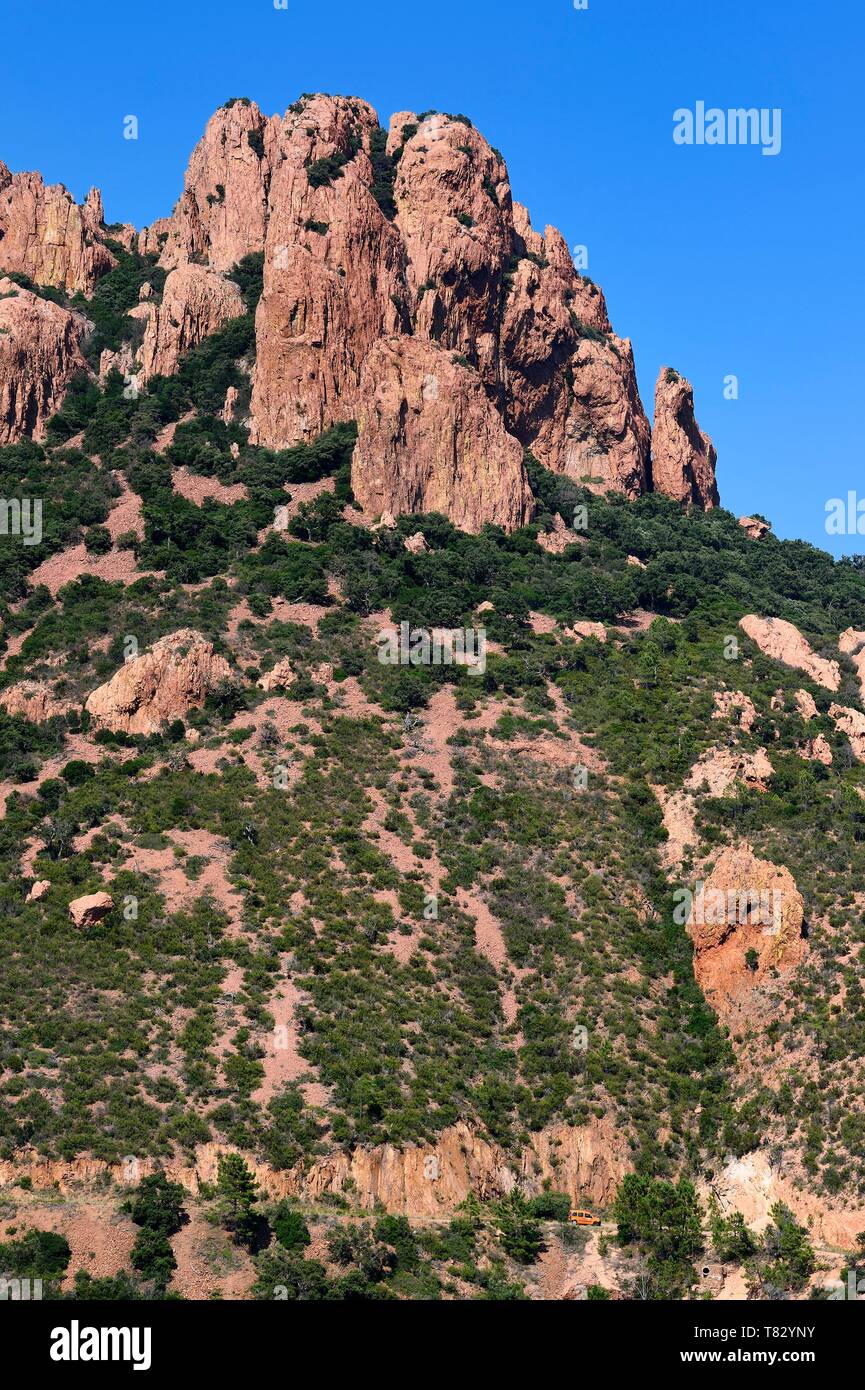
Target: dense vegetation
x,y
149,1034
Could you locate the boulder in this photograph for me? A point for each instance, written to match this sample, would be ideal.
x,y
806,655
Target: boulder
x,y
87,911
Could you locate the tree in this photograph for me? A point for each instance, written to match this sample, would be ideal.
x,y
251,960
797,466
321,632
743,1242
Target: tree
x,y
153,1256
157,1204
792,1256
237,1189
235,1184
290,1228
521,1236
733,1241
663,1220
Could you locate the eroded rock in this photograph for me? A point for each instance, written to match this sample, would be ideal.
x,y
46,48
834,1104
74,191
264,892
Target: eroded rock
x,y
165,683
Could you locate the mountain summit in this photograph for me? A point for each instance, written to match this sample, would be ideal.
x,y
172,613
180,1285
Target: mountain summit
x,y
402,288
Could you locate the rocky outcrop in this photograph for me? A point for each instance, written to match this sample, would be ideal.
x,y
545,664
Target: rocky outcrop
x,y
31,700
851,723
746,920
755,527
556,541
222,213
783,642
817,750
40,352
571,386
87,911
683,457
852,644
333,274
417,1181
429,440
38,890
279,678
730,703
164,684
416,544
720,770
195,303
454,216
45,235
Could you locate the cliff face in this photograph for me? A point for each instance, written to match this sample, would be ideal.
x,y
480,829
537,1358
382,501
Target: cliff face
x,y
368,237
587,1162
333,281
44,234
40,352
195,303
429,440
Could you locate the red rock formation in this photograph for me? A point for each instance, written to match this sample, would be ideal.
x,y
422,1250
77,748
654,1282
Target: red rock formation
x,y
31,700
755,528
87,911
683,457
454,215
40,352
852,643
38,890
174,676
222,212
588,1162
333,278
195,303
429,440
746,922
448,259
783,642
572,394
852,723
45,235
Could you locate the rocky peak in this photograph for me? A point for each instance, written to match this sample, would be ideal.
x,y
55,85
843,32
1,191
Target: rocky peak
x,y
333,274
683,457
46,236
222,213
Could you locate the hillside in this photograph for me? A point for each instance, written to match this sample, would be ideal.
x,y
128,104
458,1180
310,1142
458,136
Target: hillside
x,y
434,945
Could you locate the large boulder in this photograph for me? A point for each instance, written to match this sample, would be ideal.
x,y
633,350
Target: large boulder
x,y
87,911
783,642
165,683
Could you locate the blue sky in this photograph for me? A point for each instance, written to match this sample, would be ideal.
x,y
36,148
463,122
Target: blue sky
x,y
714,260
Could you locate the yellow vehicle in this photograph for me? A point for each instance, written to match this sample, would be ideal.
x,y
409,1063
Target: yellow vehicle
x,y
583,1218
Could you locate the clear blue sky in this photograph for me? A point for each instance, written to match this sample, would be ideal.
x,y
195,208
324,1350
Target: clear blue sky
x,y
714,260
